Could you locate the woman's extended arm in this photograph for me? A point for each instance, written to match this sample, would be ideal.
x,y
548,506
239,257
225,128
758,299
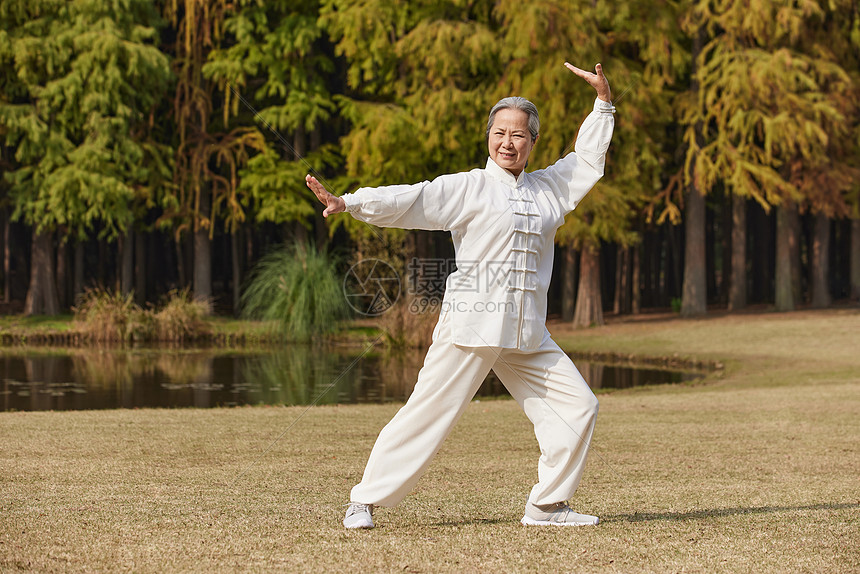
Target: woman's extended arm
x,y
333,204
431,205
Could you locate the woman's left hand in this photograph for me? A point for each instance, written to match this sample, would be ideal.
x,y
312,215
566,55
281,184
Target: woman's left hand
x,y
597,80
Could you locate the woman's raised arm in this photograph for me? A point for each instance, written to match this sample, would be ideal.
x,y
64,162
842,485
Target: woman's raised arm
x,y
597,80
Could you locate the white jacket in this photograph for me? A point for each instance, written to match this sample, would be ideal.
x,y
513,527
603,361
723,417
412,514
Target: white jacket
x,y
503,230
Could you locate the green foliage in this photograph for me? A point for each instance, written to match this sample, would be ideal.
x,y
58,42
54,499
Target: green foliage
x,y
277,187
421,81
278,49
209,156
424,77
86,76
299,290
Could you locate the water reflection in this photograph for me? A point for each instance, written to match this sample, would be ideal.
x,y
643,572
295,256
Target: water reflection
x,y
79,379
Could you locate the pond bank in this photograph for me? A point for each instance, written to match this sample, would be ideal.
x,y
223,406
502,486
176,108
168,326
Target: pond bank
x,y
227,332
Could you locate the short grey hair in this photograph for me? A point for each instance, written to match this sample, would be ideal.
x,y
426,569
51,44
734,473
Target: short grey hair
x,y
516,103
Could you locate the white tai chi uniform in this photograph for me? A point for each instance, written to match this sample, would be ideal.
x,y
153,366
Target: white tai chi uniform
x,y
493,313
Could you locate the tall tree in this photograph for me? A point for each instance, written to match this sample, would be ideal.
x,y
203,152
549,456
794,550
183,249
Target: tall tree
x,y
771,101
208,155
276,70
76,110
644,56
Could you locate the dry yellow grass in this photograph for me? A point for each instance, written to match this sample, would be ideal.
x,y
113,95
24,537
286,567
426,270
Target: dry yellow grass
x,y
752,471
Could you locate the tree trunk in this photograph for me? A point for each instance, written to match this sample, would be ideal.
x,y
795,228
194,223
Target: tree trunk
x,y
101,268
726,214
568,288
656,274
636,303
7,258
589,303
694,300
711,287
671,277
787,243
139,268
235,255
203,256
738,279
299,143
855,259
616,297
794,246
125,244
78,287
62,279
181,272
821,262
621,304
42,296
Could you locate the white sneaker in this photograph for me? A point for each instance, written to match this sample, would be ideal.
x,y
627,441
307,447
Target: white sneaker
x,y
558,514
359,515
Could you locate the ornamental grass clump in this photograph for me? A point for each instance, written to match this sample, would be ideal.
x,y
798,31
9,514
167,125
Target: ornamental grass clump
x,y
298,290
105,316
109,316
181,318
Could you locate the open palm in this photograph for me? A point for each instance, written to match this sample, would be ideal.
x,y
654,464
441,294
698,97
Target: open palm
x,y
597,80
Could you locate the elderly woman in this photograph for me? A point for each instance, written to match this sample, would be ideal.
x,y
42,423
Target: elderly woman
x,y
503,223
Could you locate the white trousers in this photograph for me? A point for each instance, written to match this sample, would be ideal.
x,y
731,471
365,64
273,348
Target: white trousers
x,y
544,382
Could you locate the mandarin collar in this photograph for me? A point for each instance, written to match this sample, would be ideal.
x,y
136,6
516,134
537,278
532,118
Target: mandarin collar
x,y
502,174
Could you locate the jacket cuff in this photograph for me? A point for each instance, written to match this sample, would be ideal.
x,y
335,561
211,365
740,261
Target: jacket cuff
x,y
352,203
605,107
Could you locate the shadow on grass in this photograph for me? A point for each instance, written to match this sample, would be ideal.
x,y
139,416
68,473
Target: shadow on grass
x,y
473,522
720,512
679,516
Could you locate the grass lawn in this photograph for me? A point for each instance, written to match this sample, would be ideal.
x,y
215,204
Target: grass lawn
x,y
756,469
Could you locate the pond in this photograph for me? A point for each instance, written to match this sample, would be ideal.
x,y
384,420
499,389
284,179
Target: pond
x,y
107,378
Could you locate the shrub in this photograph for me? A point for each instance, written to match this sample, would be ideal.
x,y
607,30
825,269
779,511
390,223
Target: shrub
x,y
108,316
102,315
299,290
181,318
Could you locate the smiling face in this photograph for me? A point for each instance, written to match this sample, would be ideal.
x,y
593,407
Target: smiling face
x,y
509,140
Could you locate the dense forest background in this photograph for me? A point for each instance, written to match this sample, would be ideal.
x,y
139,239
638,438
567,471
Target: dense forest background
x,y
149,146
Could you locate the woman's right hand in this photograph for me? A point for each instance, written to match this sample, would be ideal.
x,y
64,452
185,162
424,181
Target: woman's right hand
x,y
333,204
597,80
